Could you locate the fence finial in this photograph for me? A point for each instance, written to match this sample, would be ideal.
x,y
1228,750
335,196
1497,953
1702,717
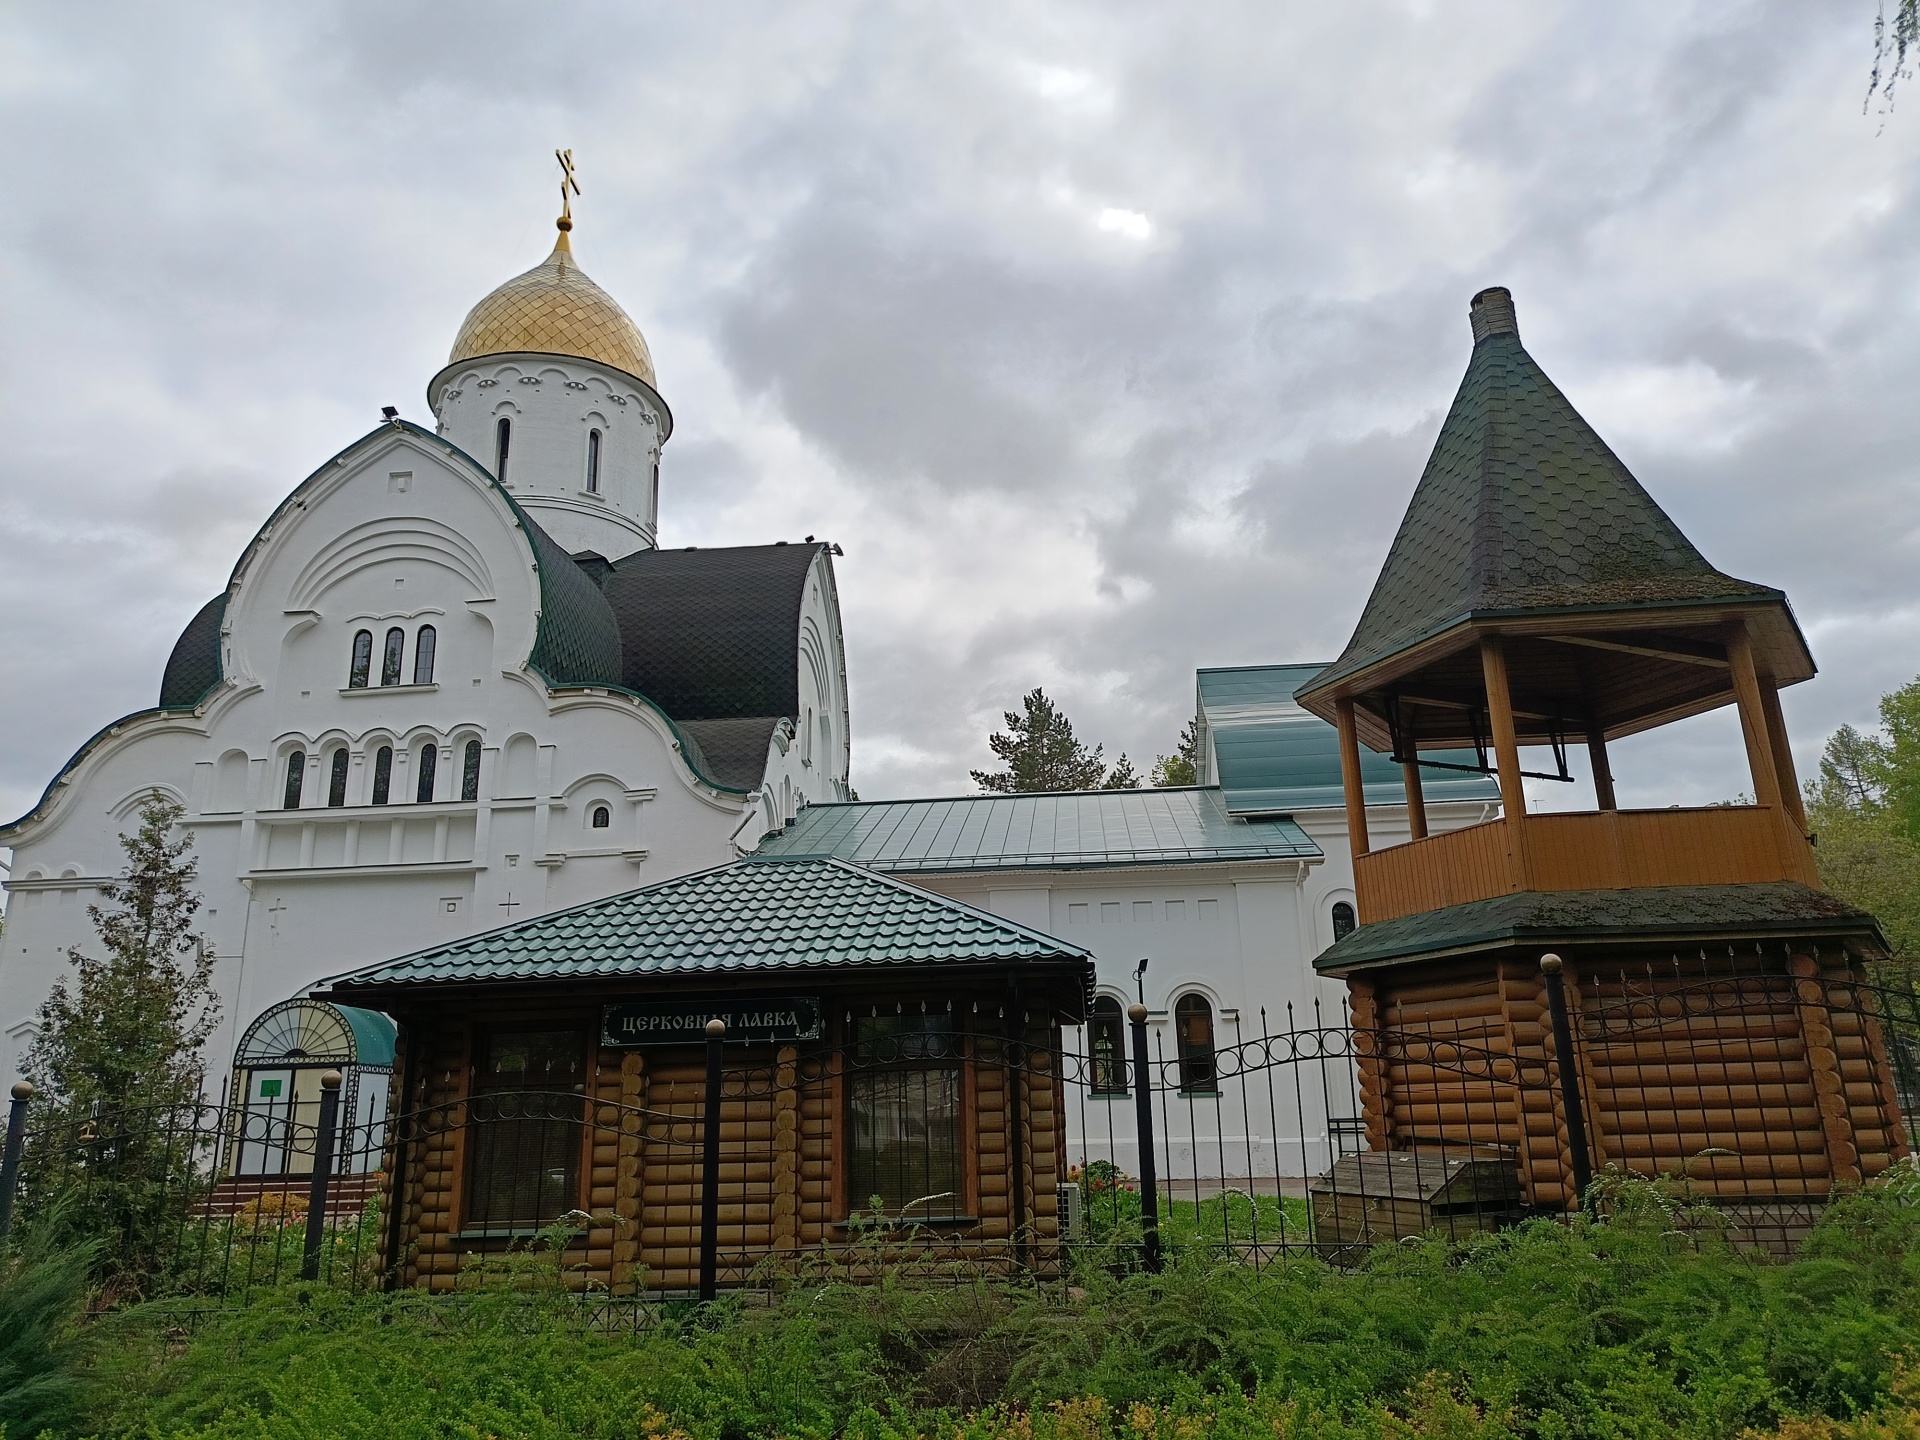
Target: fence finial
x,y
1550,964
716,1027
331,1080
1136,1012
23,1090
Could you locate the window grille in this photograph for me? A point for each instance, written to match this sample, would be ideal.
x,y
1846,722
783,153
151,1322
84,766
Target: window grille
x,y
602,817
525,1139
904,1117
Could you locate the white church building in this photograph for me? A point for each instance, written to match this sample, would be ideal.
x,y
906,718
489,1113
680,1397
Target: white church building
x,y
454,682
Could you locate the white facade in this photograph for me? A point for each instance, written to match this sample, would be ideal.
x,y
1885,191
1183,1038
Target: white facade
x,y
1243,935
336,814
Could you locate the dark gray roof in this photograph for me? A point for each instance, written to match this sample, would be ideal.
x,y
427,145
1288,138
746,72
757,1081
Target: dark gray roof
x,y
578,642
734,752
1685,913
1523,507
713,634
194,667
1074,830
756,915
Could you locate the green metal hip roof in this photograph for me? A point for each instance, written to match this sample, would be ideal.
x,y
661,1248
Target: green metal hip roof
x,y
1272,755
1067,831
754,916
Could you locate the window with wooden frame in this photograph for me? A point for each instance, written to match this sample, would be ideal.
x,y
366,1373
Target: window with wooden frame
x,y
905,1117
524,1135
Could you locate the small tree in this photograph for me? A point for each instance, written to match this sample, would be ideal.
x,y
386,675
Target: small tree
x,y
118,1056
1183,766
1123,776
1041,752
1865,808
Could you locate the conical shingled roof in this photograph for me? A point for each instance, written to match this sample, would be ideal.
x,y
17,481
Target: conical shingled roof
x,y
1523,507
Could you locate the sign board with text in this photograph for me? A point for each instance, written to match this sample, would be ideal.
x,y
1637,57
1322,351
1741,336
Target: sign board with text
x,y
684,1022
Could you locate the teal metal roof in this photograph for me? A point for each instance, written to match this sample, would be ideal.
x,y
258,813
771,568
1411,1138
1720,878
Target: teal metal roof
x,y
1274,756
1075,830
754,916
373,1035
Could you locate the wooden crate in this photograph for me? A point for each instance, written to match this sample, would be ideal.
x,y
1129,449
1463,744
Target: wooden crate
x,y
1365,1200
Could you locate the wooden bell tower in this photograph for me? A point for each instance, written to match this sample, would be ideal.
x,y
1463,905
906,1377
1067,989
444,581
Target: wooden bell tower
x,y
1536,598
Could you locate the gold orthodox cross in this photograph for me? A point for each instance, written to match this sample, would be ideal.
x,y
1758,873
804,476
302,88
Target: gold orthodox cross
x,y
567,183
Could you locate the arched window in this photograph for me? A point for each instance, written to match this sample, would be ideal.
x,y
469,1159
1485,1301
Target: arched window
x,y
390,662
362,660
423,656
337,778
593,462
502,442
382,774
296,772
1193,1030
429,764
602,817
655,512
1107,1047
1344,920
470,772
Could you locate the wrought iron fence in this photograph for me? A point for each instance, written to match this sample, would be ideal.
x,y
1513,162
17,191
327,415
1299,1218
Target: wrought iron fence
x,y
923,1148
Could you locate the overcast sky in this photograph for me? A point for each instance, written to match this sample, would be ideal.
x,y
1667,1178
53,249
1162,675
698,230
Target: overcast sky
x,y
1108,340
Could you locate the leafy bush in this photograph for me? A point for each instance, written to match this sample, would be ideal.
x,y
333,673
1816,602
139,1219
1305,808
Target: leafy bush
x,y
1622,1326
42,1290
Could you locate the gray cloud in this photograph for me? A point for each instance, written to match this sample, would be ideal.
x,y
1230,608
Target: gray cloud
x,y
1108,340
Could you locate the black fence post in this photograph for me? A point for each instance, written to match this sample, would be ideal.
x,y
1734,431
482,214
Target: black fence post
x,y
322,1165
10,1164
1565,1064
1143,1114
710,1165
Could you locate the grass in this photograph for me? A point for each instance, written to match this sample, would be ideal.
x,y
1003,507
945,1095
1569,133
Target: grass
x,y
1642,1325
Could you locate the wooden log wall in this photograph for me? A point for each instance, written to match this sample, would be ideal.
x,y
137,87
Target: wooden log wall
x,y
1774,1084
782,1186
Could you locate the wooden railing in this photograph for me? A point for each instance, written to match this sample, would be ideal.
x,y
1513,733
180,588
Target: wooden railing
x,y
1603,850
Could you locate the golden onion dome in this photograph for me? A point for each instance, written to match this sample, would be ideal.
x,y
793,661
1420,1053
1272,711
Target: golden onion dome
x,y
554,309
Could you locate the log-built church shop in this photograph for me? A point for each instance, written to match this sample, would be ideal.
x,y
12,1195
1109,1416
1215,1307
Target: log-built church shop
x,y
889,1063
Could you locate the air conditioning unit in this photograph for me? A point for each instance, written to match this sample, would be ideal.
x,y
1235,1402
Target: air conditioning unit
x,y
1070,1210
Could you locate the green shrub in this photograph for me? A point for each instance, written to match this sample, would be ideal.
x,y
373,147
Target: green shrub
x,y
1629,1325
42,1290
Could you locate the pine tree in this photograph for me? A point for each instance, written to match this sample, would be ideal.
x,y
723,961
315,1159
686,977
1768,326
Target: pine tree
x,y
118,1062
130,1029
1183,766
1041,752
1123,776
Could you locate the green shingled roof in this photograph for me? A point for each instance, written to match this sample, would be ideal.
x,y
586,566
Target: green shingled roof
x,y
1074,830
1271,755
1523,507
1686,914
755,916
